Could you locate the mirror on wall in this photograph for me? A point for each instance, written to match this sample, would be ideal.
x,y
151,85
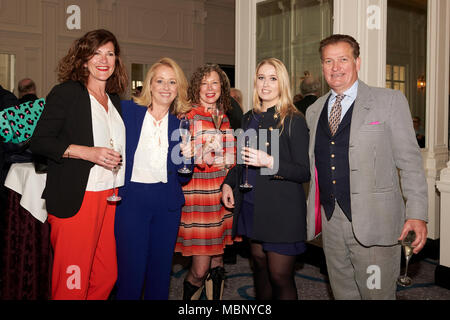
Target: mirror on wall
x,y
138,73
291,31
406,56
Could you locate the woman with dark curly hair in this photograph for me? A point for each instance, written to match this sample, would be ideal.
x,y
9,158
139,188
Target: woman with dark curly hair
x,y
205,227
77,131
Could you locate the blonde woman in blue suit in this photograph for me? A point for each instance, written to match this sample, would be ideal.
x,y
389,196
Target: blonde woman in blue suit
x,y
147,219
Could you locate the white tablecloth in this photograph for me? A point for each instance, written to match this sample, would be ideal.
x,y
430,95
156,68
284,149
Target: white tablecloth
x,y
24,180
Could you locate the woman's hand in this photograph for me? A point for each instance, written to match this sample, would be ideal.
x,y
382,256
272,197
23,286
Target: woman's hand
x,y
187,149
213,143
227,196
105,157
256,158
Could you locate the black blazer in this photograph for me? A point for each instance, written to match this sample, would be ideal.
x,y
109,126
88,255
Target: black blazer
x,y
280,204
66,119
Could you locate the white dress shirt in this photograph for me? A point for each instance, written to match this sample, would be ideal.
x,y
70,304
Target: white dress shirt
x,y
150,158
107,127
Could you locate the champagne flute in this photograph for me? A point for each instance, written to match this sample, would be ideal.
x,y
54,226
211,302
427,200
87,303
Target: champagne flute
x,y
115,170
217,117
246,185
404,280
185,134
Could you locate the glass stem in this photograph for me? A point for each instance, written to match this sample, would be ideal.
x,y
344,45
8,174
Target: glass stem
x,y
114,184
406,265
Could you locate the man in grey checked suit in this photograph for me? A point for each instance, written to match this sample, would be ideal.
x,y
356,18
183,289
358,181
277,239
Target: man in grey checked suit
x,y
365,207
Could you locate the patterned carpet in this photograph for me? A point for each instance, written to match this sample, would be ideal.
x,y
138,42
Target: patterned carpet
x,y
311,283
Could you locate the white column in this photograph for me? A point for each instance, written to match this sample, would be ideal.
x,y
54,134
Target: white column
x,y
50,11
442,272
366,21
436,151
444,187
245,48
199,33
438,75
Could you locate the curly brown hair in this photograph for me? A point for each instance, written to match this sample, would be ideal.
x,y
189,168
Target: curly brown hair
x,y
196,79
72,66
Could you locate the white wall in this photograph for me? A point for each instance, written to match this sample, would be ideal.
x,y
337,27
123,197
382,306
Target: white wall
x,y
190,31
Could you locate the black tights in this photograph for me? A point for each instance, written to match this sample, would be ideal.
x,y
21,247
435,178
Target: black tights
x,y
273,274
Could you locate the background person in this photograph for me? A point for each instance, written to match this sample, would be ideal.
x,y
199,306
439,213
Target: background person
x,y
80,120
272,214
310,89
27,90
420,133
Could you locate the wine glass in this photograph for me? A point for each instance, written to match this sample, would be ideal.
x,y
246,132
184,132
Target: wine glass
x,y
115,170
185,134
246,185
404,280
217,117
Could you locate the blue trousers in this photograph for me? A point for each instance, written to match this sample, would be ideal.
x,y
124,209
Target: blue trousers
x,y
145,232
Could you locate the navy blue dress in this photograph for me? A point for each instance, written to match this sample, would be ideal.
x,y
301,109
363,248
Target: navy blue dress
x,y
245,220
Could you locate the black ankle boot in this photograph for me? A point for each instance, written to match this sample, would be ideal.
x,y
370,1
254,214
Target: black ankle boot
x,y
191,292
214,283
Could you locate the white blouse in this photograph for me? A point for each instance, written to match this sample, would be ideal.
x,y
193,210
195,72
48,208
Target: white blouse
x,y
150,158
107,127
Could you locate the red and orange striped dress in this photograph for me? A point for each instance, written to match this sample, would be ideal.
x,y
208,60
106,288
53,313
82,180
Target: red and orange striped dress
x,y
205,226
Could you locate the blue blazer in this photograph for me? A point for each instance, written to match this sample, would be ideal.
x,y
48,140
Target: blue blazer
x,y
133,117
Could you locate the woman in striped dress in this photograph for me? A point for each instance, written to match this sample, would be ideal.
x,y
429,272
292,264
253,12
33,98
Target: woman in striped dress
x,y
205,227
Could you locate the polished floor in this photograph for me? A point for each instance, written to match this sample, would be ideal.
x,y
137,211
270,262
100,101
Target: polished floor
x,y
312,284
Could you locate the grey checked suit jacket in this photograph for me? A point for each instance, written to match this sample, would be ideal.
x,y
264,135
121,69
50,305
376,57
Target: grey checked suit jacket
x,y
383,154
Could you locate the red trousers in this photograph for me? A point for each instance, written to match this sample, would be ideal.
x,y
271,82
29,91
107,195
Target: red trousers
x,y
84,261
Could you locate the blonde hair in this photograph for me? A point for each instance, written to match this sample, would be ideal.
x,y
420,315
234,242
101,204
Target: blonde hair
x,y
284,106
180,104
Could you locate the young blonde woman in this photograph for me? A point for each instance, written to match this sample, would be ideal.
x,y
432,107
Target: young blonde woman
x,y
272,214
148,216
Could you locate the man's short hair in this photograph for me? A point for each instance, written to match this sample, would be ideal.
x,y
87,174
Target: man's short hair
x,y
336,38
26,86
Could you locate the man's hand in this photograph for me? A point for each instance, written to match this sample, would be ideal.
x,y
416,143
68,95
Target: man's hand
x,y
227,196
420,228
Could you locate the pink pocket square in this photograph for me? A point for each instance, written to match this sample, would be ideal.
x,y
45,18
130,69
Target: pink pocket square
x,y
375,122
